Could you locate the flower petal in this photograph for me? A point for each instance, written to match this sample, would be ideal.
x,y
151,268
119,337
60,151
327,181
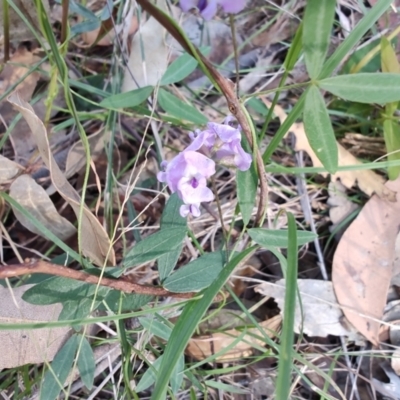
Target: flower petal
x,y
187,5
232,6
225,132
211,9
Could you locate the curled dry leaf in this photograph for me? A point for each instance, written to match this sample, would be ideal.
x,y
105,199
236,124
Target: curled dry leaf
x,y
363,263
319,314
36,201
150,43
28,346
368,181
205,346
8,169
95,242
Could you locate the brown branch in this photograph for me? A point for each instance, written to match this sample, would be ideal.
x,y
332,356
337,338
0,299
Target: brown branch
x,y
43,267
227,88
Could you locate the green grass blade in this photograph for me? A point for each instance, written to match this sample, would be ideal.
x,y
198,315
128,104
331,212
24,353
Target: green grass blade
x,y
285,355
318,20
187,323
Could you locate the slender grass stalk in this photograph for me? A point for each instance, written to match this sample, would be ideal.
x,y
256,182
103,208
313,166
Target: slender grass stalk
x,y
6,30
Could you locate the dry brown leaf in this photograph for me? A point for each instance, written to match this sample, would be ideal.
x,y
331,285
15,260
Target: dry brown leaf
x,y
367,180
151,44
363,263
95,242
8,169
319,314
28,346
205,346
36,201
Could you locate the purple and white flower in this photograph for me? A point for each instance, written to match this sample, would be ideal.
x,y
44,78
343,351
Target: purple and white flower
x,y
208,8
187,174
222,143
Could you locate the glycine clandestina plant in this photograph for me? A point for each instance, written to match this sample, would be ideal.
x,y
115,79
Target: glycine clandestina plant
x,y
187,173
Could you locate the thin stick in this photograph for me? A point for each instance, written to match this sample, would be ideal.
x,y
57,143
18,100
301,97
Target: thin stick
x,y
43,267
64,21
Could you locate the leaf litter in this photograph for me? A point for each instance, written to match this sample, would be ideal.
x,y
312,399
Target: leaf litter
x,y
369,182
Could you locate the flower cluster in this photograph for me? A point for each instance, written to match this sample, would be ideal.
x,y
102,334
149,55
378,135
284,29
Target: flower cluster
x,y
187,173
208,8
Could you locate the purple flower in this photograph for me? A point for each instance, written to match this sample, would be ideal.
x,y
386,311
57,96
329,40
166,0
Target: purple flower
x,y
208,8
187,175
222,142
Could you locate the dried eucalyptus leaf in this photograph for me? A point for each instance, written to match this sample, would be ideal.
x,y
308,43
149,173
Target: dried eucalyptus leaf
x,y
8,169
36,201
28,346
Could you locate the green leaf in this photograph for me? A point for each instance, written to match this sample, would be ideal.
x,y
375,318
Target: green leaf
x,y
367,88
279,237
177,108
58,290
156,327
319,131
149,376
77,309
128,99
167,242
186,325
179,69
117,301
86,363
258,106
285,364
196,275
167,262
171,217
246,191
155,246
60,367
317,26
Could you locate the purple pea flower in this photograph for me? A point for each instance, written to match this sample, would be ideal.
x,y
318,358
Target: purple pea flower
x,y
208,8
222,142
187,174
